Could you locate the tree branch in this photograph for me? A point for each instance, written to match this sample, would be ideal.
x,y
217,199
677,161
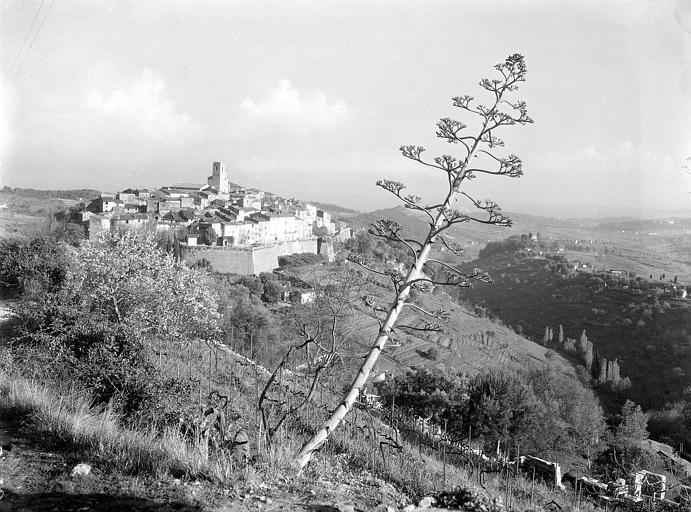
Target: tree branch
x,y
439,314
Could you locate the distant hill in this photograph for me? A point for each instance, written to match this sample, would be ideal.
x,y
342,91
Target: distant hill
x,y
646,225
414,227
336,211
82,194
22,210
472,236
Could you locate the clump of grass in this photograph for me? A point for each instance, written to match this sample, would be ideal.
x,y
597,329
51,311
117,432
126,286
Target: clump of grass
x,y
68,417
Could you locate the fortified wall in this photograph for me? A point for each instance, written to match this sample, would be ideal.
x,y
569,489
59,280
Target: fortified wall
x,y
252,260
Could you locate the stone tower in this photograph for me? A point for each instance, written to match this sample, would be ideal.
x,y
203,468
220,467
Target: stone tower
x,y
219,178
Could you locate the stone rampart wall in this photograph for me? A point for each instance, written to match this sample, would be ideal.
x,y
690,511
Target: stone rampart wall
x,y
249,260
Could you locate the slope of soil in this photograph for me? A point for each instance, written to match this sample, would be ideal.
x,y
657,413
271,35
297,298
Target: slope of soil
x,y
465,342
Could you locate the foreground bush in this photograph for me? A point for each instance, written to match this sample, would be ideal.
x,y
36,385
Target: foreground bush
x,y
118,305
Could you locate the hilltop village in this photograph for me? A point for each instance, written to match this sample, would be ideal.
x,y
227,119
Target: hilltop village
x,y
236,230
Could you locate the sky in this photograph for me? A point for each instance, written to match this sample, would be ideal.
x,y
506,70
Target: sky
x,y
313,99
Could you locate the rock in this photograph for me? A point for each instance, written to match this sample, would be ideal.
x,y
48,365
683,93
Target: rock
x,y
409,508
82,469
241,446
383,508
426,502
345,507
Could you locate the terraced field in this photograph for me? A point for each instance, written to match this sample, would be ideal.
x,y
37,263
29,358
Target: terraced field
x,y
466,342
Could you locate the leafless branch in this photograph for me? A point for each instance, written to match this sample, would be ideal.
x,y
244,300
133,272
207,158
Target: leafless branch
x,y
389,230
428,327
439,314
495,215
409,201
454,247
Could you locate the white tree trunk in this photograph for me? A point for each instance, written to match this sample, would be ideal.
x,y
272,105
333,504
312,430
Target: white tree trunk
x,y
314,443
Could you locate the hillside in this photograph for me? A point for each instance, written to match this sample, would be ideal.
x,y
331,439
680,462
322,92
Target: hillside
x,y
626,244
472,236
466,342
187,403
336,211
21,209
641,327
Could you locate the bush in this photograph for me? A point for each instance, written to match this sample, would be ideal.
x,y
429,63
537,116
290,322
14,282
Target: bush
x,y
253,284
38,266
97,322
425,393
432,353
273,292
298,260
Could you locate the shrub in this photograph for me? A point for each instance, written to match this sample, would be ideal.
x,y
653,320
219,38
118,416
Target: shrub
x,y
253,284
300,259
273,292
433,353
98,325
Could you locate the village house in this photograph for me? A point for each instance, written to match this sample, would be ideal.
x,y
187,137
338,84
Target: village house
x,y
129,221
218,213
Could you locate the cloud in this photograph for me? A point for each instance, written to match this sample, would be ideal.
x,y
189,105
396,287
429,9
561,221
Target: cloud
x,y
623,155
621,178
143,106
284,105
8,108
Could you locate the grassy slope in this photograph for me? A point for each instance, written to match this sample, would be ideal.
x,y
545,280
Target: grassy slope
x,y
351,468
22,213
466,343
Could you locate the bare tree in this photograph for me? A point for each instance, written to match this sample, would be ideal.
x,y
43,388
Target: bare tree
x,y
324,331
442,216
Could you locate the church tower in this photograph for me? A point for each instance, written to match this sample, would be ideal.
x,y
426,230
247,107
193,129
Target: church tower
x,y
219,178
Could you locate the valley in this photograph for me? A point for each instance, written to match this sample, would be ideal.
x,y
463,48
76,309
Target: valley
x,y
619,280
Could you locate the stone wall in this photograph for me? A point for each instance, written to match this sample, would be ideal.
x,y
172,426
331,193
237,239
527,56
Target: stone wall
x,y
550,472
249,260
225,261
325,247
